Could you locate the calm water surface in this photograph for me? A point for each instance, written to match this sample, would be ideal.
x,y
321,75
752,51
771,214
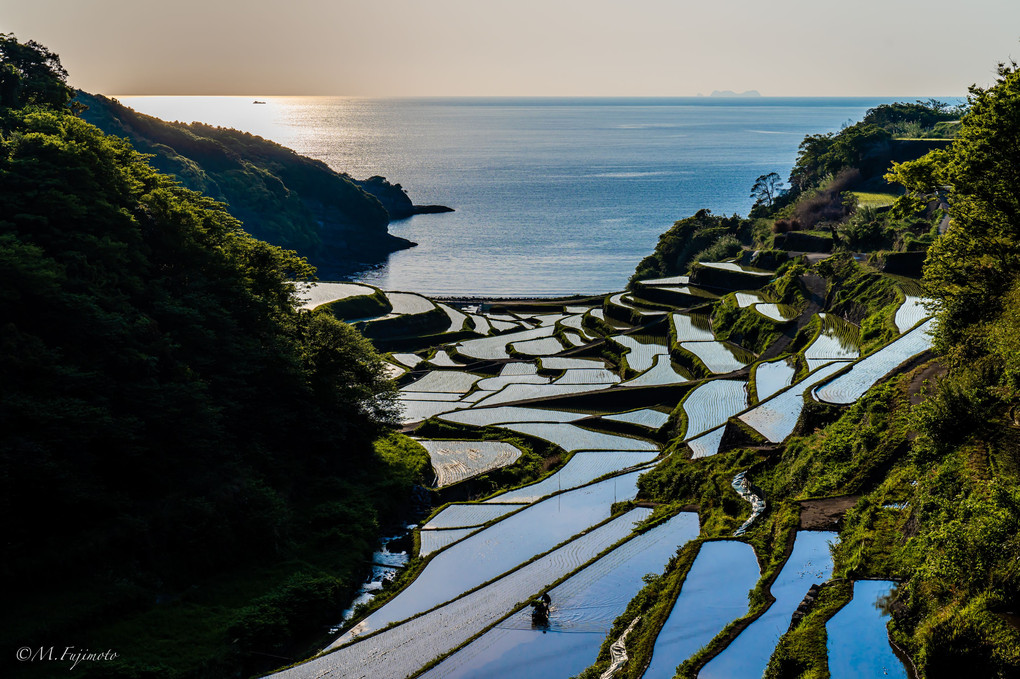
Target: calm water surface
x,y
858,641
553,196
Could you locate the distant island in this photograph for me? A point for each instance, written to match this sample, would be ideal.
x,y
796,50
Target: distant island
x,y
731,93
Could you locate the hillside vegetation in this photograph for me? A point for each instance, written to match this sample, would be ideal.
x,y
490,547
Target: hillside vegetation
x,y
178,439
283,198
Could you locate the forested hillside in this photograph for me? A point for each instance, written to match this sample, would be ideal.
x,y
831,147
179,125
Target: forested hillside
x,y
283,198
178,440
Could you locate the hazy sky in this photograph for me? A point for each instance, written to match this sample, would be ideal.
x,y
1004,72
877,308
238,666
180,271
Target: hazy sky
x,y
523,47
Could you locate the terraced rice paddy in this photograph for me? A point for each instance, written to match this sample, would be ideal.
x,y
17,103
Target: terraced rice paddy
x,y
719,357
434,540
410,360
746,299
588,376
691,328
911,312
642,352
538,347
477,395
858,641
574,340
838,340
495,347
662,372
408,303
455,461
582,468
707,444
317,294
777,312
575,322
850,386
566,363
497,383
457,317
570,437
772,376
713,594
776,418
467,515
748,655
671,280
453,381
393,371
646,417
546,319
583,610
483,417
501,326
416,411
482,325
522,392
733,266
400,651
429,396
712,403
498,549
442,359
519,368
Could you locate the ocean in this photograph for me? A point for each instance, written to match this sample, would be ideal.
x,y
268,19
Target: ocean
x,y
552,196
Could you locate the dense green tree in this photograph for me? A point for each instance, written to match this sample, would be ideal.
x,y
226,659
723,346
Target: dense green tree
x,y
971,268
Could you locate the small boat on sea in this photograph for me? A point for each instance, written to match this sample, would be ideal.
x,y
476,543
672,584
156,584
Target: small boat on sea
x,y
258,102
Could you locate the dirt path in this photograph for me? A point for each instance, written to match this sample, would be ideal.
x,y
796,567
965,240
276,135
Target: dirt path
x,y
926,374
825,514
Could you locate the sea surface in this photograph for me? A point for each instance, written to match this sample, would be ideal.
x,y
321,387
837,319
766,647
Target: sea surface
x,y
552,196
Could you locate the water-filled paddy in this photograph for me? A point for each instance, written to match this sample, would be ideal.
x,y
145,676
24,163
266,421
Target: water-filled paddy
x,y
911,312
641,354
409,303
567,363
850,386
583,467
570,437
434,540
455,461
457,317
500,547
416,411
772,376
776,418
399,651
646,417
545,346
497,383
450,381
745,299
482,417
858,641
733,266
588,376
719,357
777,312
748,655
691,328
442,359
712,403
495,347
662,372
467,514
838,339
713,594
707,444
583,610
316,294
523,392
